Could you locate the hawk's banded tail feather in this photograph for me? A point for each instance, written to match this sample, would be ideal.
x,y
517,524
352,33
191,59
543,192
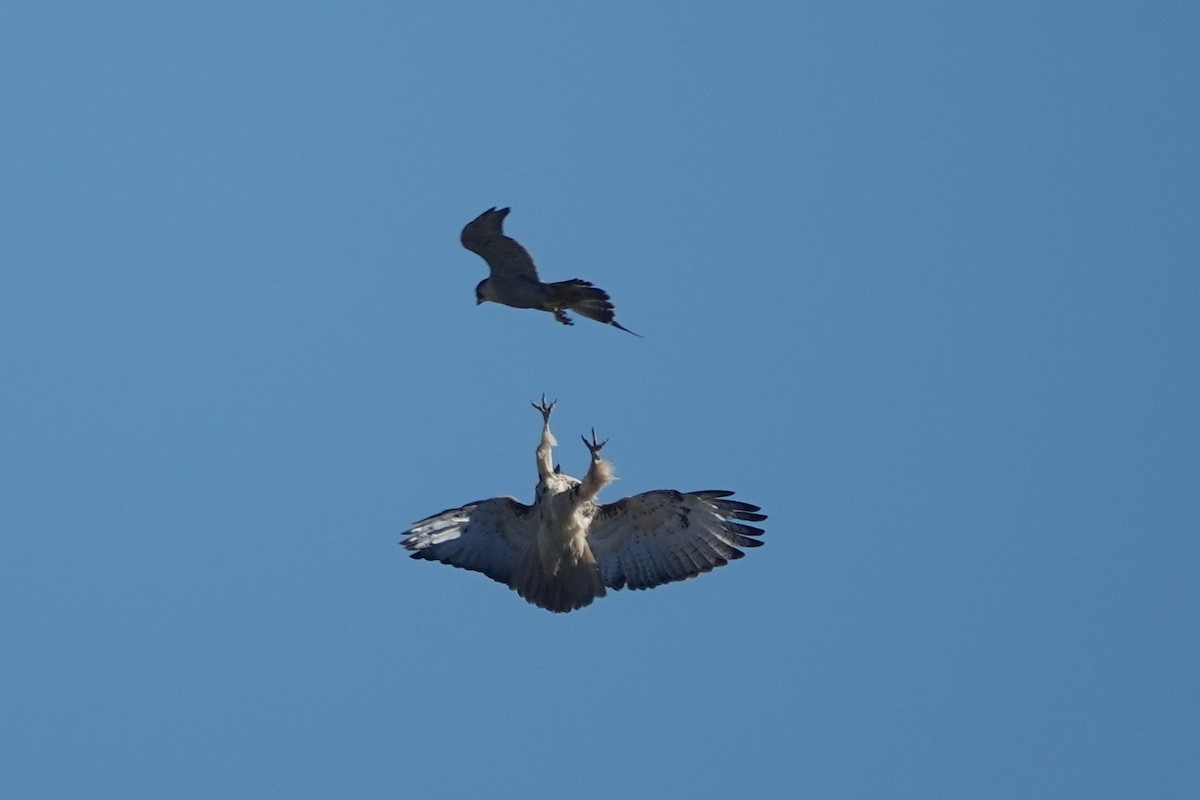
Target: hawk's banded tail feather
x,y
576,585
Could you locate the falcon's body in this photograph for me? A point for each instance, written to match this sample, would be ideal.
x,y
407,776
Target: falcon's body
x,y
564,550
514,280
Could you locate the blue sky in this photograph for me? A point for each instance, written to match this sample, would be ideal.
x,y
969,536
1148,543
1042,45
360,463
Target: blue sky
x,y
921,280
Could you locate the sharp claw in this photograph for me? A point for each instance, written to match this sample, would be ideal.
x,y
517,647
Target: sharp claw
x,y
593,446
545,408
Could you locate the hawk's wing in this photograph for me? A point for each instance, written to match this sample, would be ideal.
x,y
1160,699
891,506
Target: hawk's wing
x,y
488,536
659,537
485,235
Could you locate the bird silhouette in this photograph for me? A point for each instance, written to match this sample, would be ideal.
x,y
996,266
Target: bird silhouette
x,y
514,280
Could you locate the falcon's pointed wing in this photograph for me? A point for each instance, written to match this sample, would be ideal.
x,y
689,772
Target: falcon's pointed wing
x,y
507,259
663,536
488,536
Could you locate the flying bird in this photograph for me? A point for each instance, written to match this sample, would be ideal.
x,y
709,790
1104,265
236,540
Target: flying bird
x,y
514,280
566,549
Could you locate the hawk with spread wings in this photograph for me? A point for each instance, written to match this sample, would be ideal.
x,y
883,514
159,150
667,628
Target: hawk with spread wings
x,y
514,280
562,552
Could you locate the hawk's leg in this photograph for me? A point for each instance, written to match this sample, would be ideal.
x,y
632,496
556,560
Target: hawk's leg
x,y
600,472
562,317
544,452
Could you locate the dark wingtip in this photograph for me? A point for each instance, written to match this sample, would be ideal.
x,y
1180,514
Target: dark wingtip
x,y
743,530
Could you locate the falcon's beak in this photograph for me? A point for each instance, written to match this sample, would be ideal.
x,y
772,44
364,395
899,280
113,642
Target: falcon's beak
x,y
478,301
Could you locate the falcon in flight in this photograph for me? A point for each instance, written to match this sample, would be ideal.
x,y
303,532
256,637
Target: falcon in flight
x,y
562,552
514,279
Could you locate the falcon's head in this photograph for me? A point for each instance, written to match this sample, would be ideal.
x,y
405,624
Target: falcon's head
x,y
480,296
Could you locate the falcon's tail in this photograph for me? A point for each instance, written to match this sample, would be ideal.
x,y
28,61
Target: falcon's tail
x,y
574,586
585,298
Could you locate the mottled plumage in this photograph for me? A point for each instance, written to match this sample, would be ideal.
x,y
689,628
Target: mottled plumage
x,y
562,552
514,280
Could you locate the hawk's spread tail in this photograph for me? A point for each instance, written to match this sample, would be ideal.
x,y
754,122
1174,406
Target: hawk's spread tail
x,y
576,584
584,298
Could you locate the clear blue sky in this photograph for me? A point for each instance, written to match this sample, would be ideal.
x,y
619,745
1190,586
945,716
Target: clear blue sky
x,y
921,280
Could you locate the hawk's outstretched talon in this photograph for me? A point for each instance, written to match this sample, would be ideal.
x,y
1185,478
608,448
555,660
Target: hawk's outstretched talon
x,y
593,446
545,408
